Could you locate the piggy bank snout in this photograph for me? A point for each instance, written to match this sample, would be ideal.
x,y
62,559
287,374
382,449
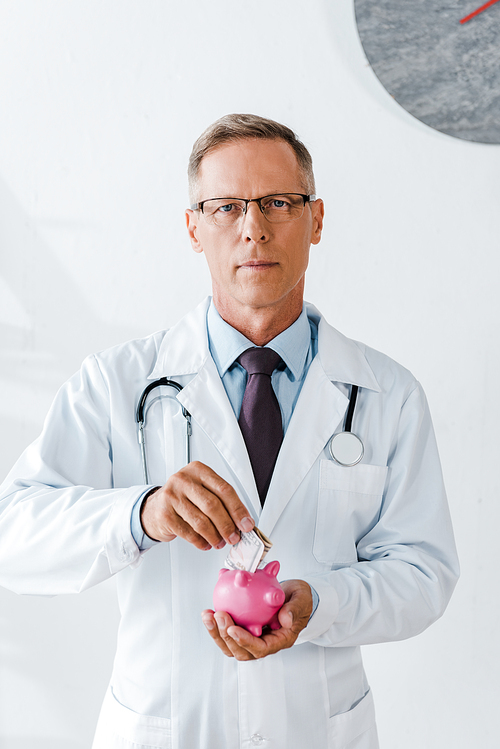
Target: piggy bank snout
x,y
275,597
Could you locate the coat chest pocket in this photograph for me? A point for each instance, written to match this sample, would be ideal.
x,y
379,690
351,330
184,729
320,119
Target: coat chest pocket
x,y
348,507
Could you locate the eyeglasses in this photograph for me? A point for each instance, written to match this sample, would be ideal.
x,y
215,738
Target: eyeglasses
x,y
276,208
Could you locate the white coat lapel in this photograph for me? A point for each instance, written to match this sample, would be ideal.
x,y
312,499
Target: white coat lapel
x,y
319,410
184,354
184,347
206,400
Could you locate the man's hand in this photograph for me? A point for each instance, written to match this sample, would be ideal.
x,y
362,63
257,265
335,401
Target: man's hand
x,y
236,642
197,505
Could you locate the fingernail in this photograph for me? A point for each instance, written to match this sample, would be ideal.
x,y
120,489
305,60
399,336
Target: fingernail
x,y
220,545
234,538
247,524
220,620
208,622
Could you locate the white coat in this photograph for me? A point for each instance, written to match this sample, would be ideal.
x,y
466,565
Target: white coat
x,y
374,540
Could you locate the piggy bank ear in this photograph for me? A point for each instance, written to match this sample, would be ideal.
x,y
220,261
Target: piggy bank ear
x,y
272,569
242,579
222,571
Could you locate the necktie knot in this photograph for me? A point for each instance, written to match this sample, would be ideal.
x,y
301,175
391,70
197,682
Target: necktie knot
x,y
259,361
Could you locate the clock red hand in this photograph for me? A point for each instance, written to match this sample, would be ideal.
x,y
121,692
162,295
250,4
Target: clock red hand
x,y
478,11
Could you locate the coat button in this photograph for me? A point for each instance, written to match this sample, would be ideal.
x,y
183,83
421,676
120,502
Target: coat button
x,y
257,739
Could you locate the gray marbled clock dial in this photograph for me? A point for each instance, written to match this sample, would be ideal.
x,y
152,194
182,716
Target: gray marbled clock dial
x,y
443,72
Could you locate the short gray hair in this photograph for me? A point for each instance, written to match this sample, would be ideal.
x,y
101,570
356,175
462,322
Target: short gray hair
x,y
234,127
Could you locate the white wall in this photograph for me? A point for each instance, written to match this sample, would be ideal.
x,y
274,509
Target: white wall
x,y
100,104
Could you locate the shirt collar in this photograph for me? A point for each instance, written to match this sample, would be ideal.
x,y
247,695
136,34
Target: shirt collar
x,y
226,343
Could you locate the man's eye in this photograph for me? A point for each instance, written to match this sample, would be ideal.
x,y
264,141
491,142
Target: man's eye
x,y
277,204
229,208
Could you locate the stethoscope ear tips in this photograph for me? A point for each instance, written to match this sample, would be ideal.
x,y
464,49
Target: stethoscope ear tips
x,y
346,449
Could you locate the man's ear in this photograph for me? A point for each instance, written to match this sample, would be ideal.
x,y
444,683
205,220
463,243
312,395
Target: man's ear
x,y
318,212
192,227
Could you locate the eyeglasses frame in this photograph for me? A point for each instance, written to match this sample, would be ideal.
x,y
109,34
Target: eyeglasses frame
x,y
305,198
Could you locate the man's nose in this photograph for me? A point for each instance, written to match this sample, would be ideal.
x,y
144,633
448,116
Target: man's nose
x,y
255,225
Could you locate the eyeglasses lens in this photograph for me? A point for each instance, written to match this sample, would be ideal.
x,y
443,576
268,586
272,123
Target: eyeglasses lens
x,y
276,208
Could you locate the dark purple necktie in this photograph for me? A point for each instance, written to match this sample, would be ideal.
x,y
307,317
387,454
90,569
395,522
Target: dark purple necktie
x,y
260,415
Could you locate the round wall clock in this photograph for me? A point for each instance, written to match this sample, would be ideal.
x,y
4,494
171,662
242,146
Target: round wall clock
x,y
439,59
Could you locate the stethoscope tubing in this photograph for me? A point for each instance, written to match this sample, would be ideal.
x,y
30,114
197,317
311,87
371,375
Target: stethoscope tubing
x,y
140,417
350,410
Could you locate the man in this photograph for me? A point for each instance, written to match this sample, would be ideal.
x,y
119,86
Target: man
x,y
366,550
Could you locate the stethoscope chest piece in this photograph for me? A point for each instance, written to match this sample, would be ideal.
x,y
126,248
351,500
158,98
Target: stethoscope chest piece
x,y
346,449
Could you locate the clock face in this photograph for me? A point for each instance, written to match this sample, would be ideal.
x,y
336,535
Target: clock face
x,y
444,72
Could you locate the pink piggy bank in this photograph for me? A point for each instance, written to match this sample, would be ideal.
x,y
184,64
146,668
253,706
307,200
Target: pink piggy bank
x,y
252,599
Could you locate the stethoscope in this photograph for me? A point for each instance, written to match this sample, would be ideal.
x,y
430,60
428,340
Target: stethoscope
x,y
140,417
346,448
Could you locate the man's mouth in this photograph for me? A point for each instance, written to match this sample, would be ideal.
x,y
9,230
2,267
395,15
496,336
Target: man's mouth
x,y
257,264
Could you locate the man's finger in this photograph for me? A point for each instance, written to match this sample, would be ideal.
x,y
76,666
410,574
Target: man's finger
x,y
208,619
169,524
227,495
297,609
195,504
214,498
285,618
224,622
260,647
217,625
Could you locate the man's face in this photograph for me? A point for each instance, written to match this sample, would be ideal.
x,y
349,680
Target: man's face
x,y
254,263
